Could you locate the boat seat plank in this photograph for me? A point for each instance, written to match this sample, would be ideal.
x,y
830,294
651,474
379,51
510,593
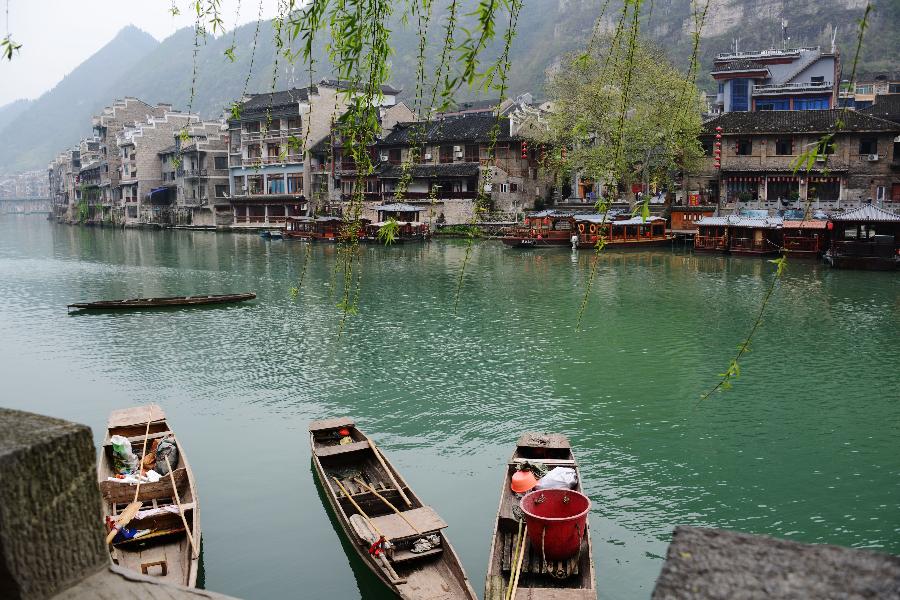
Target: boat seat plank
x,y
550,462
401,556
336,423
323,451
394,527
139,439
136,415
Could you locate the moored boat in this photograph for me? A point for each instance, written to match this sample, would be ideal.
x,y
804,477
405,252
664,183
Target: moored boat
x,y
541,229
398,538
162,539
538,577
635,232
160,302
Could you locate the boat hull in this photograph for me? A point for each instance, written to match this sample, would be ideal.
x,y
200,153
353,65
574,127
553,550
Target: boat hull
x,y
628,245
863,263
529,242
162,302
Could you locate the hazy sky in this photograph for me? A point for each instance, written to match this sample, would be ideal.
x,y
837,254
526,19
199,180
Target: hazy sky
x,y
58,35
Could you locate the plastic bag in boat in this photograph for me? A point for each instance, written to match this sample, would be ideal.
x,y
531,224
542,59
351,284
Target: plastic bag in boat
x,y
166,449
124,460
559,477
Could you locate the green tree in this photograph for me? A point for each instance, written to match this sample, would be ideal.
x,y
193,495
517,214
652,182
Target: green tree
x,y
624,114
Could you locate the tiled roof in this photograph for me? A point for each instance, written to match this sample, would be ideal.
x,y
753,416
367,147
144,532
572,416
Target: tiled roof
x,y
465,169
600,218
809,224
170,150
275,100
887,106
795,121
739,221
343,85
867,212
473,127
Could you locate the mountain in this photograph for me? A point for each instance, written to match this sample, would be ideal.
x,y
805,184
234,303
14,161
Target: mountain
x,y
134,64
9,112
61,116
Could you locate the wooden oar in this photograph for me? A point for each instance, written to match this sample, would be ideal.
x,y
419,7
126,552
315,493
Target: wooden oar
x,y
196,550
132,509
384,560
390,473
386,501
515,582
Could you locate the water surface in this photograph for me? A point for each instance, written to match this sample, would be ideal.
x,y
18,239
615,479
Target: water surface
x,y
805,446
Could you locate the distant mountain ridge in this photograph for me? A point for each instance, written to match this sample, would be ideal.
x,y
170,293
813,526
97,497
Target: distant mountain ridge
x,y
135,64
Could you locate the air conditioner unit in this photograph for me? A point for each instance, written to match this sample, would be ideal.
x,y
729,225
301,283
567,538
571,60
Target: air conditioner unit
x,y
427,156
383,157
873,157
457,148
459,154
820,158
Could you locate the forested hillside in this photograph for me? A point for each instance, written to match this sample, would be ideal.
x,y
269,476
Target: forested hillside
x,y
134,64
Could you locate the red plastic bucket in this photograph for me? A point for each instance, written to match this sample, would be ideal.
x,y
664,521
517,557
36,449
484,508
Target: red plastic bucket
x,y
556,519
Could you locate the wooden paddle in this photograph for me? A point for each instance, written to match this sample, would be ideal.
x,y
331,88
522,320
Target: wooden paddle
x,y
132,509
390,473
187,529
386,501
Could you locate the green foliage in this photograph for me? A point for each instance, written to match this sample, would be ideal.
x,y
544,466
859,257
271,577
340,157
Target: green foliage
x,y
8,47
387,233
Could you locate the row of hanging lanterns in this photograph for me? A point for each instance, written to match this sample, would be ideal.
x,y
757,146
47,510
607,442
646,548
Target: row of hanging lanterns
x,y
717,150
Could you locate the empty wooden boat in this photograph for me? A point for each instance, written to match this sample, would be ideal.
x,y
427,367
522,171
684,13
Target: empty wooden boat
x,y
571,579
160,302
364,490
166,546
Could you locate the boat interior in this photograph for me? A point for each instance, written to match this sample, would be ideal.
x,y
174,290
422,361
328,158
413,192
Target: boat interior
x,y
572,578
164,551
422,573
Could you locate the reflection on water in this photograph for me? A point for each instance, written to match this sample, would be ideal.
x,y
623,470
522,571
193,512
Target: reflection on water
x,y
804,446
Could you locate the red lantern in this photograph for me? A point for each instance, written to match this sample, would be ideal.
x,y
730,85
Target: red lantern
x,y
719,128
830,225
718,136
524,150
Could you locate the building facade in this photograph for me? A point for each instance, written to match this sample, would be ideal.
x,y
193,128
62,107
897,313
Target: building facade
x,y
789,79
759,156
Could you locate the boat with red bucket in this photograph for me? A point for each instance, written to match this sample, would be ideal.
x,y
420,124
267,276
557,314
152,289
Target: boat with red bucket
x,y
541,229
541,546
400,539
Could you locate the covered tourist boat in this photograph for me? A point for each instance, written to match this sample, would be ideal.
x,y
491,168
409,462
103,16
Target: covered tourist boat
x,y
154,520
805,238
527,553
303,228
736,234
541,229
398,537
712,235
634,232
865,238
407,217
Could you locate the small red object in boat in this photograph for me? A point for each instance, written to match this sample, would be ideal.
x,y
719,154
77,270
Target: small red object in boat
x,y
344,432
522,481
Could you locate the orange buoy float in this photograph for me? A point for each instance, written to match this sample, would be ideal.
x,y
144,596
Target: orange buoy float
x,y
522,481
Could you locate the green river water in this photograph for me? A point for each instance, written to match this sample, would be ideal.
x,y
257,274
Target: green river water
x,y
806,445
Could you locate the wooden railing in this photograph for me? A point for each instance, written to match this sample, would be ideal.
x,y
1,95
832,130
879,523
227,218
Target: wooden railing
x,y
752,245
802,244
709,242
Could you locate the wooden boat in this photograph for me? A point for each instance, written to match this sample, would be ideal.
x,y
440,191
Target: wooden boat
x,y
538,580
165,552
634,232
354,473
158,302
542,229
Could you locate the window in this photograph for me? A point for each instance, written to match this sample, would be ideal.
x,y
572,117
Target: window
x,y
784,146
272,150
865,89
868,145
203,191
276,186
773,104
817,79
221,191
293,123
395,156
784,191
708,145
255,184
513,187
824,191
504,188
221,162
721,87
446,154
744,147
811,104
739,95
275,125
253,151
472,153
295,183
252,127
825,147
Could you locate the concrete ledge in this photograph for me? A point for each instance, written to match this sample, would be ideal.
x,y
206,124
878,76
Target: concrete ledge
x,y
706,564
122,584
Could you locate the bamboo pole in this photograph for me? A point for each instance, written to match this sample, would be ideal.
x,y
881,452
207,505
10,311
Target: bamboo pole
x,y
390,473
515,582
358,507
386,501
196,550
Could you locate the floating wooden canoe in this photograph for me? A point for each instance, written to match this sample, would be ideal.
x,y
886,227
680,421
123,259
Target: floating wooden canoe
x,y
435,573
554,580
165,552
158,302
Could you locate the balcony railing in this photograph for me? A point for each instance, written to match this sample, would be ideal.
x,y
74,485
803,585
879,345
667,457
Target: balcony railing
x,y
194,172
272,160
709,242
438,195
752,245
792,88
272,134
802,244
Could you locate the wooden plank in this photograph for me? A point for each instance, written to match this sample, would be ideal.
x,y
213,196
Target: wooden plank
x,y
543,440
405,555
139,439
136,415
506,543
335,423
323,451
550,462
425,520
114,491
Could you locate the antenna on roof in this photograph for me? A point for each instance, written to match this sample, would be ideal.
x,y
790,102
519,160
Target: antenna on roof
x,y
784,37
